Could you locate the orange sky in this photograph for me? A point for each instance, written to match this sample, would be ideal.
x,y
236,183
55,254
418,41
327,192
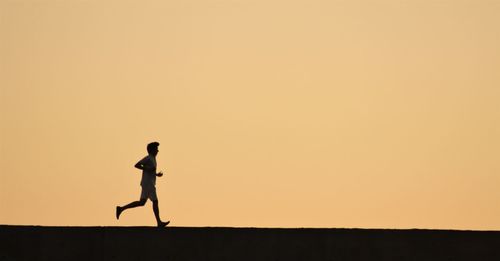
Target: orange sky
x,y
296,113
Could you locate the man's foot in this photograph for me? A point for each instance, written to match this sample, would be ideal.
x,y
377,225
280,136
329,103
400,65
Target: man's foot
x,y
163,224
118,212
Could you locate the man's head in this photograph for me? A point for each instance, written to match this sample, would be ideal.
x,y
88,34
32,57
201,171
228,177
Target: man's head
x,y
153,148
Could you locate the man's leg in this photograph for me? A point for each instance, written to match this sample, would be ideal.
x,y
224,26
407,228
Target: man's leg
x,y
156,210
134,204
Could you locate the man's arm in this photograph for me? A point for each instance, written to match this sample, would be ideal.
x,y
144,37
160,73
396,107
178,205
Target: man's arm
x,y
139,165
144,164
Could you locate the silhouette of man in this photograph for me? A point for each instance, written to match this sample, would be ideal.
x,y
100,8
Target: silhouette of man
x,y
148,181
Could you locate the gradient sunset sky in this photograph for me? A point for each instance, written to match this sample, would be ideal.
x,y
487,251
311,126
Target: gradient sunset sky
x,y
269,113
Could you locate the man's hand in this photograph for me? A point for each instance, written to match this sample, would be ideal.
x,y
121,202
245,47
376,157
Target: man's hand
x,y
159,174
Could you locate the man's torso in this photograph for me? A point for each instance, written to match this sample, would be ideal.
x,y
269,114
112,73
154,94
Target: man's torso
x,y
149,173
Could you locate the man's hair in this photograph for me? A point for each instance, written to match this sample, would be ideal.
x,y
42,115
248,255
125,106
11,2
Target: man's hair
x,y
152,146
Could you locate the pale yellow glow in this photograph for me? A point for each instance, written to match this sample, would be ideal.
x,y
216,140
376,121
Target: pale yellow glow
x,y
269,113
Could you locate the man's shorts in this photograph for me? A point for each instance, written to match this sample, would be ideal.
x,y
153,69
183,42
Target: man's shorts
x,y
149,192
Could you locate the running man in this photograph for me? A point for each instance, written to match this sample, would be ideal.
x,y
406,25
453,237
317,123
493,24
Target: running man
x,y
148,181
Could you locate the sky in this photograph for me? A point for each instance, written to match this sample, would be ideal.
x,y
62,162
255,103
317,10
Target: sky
x,y
275,113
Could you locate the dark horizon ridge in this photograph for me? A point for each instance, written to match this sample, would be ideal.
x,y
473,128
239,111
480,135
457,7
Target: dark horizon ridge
x,y
250,227
255,244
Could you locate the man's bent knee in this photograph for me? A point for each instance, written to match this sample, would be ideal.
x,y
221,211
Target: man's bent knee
x,y
143,201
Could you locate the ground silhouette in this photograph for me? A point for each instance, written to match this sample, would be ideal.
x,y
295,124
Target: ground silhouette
x,y
256,244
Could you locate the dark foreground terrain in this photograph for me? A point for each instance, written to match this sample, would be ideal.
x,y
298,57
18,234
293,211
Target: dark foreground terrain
x,y
239,244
